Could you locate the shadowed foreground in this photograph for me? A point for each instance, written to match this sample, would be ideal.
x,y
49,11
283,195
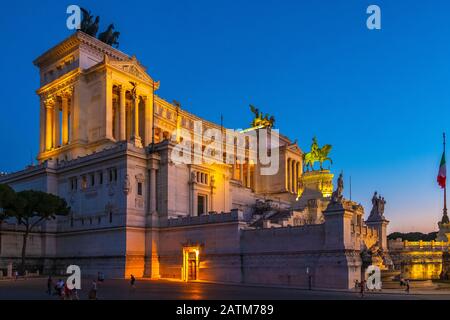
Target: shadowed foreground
x,y
174,290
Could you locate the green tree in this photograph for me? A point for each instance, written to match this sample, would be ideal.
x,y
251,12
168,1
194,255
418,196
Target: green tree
x,y
31,208
7,197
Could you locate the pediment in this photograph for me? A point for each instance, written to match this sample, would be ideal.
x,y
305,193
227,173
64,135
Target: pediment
x,y
295,148
132,67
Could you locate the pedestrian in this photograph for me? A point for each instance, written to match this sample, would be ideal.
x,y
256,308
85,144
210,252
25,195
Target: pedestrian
x,y
356,285
75,294
16,275
407,286
67,293
59,287
93,291
133,282
362,287
49,285
101,277
310,282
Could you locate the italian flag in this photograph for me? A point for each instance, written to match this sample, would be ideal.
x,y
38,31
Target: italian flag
x,y
442,175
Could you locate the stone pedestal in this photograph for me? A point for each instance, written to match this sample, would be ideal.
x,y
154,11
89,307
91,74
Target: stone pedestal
x,y
321,181
381,227
340,262
444,232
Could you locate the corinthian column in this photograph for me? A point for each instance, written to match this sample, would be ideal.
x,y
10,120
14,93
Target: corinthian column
x,y
48,124
65,118
42,111
122,114
136,139
56,125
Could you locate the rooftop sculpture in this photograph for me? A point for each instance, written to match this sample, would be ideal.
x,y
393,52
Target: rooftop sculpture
x,y
90,26
260,120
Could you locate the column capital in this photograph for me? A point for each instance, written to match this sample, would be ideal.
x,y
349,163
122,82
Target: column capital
x,y
66,92
49,102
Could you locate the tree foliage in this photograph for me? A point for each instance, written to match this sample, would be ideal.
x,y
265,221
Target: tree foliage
x,y
413,236
7,197
30,208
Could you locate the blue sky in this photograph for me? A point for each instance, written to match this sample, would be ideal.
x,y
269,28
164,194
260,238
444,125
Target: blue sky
x,y
381,98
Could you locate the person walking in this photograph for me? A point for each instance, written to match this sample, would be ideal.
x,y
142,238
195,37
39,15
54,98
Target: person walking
x,y
49,285
93,291
310,282
407,286
362,287
133,282
356,285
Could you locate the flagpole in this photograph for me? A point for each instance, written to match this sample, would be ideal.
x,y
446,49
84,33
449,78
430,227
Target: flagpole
x,y
445,190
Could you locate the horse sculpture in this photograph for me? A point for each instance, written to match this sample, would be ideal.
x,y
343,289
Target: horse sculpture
x,y
316,155
110,36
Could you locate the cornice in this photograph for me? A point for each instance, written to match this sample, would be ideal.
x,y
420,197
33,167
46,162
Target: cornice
x,y
76,40
64,82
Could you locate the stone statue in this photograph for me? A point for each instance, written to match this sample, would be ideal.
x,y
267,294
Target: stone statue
x,y
260,120
134,90
316,155
378,204
93,28
336,196
193,177
109,36
300,189
127,185
87,24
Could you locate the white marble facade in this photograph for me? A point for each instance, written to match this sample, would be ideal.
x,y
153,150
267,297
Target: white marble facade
x,y
105,144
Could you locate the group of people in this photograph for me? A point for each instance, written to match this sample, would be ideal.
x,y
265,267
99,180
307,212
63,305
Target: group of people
x,y
61,289
362,286
405,283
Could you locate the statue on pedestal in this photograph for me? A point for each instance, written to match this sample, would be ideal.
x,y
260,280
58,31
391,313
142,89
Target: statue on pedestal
x,y
337,196
316,154
378,203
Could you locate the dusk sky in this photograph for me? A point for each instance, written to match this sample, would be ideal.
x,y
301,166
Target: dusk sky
x,y
380,97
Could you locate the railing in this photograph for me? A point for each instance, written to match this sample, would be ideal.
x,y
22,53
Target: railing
x,y
425,244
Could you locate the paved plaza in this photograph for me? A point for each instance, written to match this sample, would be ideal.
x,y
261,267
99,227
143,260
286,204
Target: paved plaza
x,y
176,290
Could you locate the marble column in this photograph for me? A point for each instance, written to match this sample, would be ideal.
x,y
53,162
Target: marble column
x,y
48,125
77,125
295,176
116,119
65,119
288,169
42,116
248,174
108,111
148,119
241,172
56,125
292,176
122,114
135,138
